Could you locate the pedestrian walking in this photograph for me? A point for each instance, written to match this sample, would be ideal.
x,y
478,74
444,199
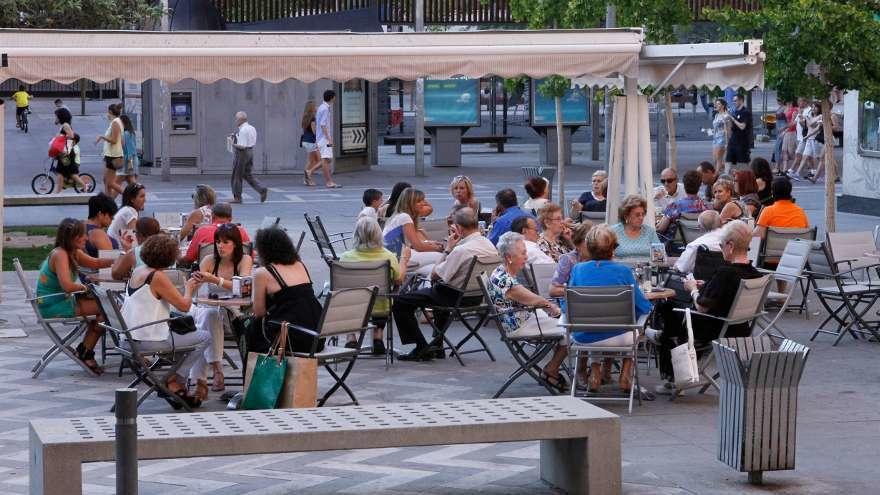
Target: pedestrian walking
x,y
113,150
739,145
720,133
130,169
308,141
243,141
324,134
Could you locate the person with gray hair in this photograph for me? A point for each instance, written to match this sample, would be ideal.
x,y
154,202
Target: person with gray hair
x,y
710,223
465,243
512,299
367,239
243,141
204,198
713,297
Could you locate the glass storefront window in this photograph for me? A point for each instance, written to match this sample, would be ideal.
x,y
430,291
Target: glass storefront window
x,y
869,128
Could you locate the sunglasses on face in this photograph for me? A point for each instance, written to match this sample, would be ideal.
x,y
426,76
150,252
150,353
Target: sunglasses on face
x,y
667,181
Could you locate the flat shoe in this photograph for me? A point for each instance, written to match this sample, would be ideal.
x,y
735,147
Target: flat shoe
x,y
333,186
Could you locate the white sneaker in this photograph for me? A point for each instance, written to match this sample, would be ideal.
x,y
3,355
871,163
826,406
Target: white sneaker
x,y
653,335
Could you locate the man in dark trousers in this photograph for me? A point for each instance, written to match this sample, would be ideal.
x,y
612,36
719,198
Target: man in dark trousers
x,y
739,145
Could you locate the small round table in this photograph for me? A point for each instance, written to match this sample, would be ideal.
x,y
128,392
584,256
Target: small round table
x,y
235,302
660,293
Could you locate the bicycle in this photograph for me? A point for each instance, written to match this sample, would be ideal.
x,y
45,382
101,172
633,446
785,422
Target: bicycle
x,y
44,183
23,121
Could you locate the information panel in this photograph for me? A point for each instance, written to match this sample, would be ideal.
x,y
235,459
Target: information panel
x,y
353,110
575,107
452,102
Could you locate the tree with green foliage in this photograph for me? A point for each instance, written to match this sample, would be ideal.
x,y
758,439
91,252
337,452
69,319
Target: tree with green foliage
x,y
812,47
79,14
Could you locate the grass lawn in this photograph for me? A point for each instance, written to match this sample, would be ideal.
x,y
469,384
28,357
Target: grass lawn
x,y
30,257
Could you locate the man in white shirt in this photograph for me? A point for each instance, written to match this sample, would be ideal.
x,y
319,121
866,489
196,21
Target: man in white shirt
x,y
461,247
243,141
528,227
710,223
800,123
669,190
324,137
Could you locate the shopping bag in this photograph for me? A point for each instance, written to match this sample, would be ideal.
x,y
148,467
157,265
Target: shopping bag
x,y
684,357
300,387
265,376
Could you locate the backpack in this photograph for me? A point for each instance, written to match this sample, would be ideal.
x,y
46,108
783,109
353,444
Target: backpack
x,y
57,145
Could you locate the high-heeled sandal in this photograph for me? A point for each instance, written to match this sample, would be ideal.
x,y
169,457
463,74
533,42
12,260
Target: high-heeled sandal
x,y
194,401
218,383
87,356
307,178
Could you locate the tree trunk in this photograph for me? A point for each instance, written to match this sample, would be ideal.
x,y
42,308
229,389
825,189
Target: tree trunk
x,y
830,169
670,132
560,154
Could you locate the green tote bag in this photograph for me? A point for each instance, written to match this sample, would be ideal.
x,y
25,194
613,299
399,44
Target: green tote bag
x,y
268,375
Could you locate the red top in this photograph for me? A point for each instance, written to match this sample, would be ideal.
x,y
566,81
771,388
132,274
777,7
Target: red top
x,y
205,235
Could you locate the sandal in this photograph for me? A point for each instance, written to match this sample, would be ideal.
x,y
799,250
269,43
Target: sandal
x,y
307,178
218,383
177,390
200,396
558,381
87,356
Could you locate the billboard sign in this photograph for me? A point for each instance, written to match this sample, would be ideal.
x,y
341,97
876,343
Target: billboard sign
x,y
575,107
452,102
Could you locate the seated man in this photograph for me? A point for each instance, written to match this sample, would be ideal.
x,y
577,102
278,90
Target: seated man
x,y
507,210
710,223
205,234
463,245
669,190
783,212
689,202
713,297
528,227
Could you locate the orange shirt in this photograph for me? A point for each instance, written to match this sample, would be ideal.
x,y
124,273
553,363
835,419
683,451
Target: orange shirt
x,y
783,213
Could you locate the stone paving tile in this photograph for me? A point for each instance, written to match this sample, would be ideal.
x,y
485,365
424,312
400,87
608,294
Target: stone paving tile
x,y
668,447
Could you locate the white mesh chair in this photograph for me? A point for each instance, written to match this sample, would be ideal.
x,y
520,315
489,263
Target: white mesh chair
x,y
747,307
354,274
345,311
60,344
603,309
145,365
789,270
542,274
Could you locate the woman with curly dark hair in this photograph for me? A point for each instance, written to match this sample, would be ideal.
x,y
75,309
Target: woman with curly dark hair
x,y
282,292
763,178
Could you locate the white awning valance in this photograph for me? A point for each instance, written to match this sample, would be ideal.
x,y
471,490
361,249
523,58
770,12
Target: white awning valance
x,y
65,56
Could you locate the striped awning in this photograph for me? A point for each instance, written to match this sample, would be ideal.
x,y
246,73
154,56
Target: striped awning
x,y
209,56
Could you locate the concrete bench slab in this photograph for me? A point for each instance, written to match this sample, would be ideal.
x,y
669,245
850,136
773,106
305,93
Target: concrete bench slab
x,y
580,443
46,200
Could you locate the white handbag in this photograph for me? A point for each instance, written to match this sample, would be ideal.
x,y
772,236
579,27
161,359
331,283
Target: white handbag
x,y
684,358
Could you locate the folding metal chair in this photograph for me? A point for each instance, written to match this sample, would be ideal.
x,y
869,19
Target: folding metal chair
x,y
542,274
775,240
435,229
747,307
688,229
457,311
603,309
345,311
60,344
323,240
843,296
852,247
145,365
354,274
593,216
527,351
789,270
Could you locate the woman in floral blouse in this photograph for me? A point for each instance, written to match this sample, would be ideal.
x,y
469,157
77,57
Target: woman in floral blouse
x,y
555,238
513,301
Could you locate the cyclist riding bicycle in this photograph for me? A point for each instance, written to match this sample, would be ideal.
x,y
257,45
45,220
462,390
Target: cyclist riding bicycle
x,y
22,101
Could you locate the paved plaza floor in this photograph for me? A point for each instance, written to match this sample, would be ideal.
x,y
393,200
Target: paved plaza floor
x,y
668,447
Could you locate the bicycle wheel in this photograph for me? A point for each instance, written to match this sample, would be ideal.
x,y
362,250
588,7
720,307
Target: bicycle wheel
x,y
88,180
43,184
24,123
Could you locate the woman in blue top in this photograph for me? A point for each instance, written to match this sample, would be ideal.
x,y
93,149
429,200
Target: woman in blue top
x,y
402,229
634,238
600,271
129,171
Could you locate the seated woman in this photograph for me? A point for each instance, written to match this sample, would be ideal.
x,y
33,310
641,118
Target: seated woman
x,y
367,238
555,238
58,286
539,194
600,271
144,228
227,261
763,178
568,260
634,238
507,293
134,197
387,210
725,202
282,292
403,229
203,198
593,200
713,297
462,190
149,297
746,188
102,208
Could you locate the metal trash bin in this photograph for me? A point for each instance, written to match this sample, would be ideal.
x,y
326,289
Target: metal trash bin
x,y
757,413
546,172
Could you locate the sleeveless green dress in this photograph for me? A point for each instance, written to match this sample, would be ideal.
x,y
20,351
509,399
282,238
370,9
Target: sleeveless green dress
x,y
57,306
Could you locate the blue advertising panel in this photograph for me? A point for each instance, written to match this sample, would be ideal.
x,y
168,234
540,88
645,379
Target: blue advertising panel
x,y
452,102
575,107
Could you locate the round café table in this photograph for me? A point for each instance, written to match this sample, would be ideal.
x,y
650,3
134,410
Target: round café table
x,y
659,293
234,302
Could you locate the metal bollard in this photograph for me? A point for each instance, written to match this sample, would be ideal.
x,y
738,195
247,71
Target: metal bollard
x,y
126,442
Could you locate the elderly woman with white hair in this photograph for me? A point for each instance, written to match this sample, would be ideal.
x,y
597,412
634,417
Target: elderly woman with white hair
x,y
513,299
594,199
368,246
713,297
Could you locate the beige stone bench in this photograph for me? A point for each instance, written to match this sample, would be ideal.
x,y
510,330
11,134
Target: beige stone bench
x,y
580,443
45,200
